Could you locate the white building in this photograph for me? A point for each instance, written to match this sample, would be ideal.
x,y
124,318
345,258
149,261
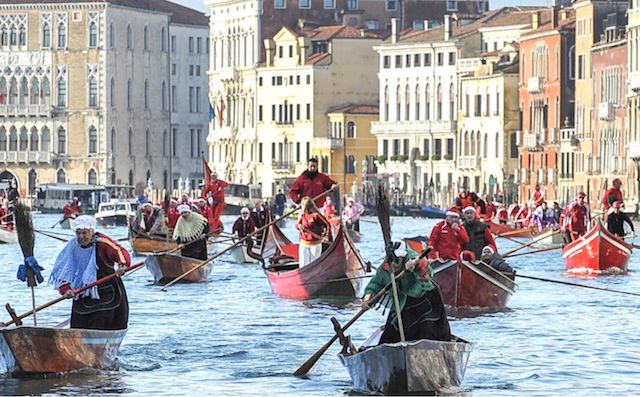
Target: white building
x,y
633,98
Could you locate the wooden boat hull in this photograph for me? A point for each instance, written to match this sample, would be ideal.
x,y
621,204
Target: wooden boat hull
x,y
354,235
596,252
240,254
8,236
319,278
167,267
145,245
409,367
550,237
66,223
508,231
35,350
472,285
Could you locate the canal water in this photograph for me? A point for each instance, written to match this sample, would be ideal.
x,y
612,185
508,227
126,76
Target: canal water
x,y
232,336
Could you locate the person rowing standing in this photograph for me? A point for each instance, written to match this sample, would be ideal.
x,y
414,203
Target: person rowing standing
x,y
311,183
618,222
244,226
478,232
191,230
448,237
351,214
578,218
313,229
86,258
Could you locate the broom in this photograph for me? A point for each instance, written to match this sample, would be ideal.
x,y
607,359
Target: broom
x,y
26,238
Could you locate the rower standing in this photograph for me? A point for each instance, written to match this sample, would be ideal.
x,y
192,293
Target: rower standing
x,y
617,220
478,232
351,214
313,229
578,218
189,228
86,258
215,188
311,183
281,201
469,199
421,306
72,209
448,238
612,195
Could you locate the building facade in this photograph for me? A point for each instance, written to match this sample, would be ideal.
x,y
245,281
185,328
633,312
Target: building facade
x,y
633,104
546,102
306,74
85,98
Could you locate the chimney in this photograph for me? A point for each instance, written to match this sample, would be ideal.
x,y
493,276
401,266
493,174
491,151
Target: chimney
x,y
394,31
554,17
447,27
535,20
269,47
303,43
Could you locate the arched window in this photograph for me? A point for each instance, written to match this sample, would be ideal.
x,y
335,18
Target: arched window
x,y
407,102
45,91
22,36
497,142
398,103
62,92
35,92
486,145
164,95
145,38
13,92
46,35
61,176
129,93
62,141
3,139
112,92
427,103
477,143
439,104
147,143
146,94
32,180
351,129
34,140
45,145
386,103
130,142
24,91
93,140
62,35
113,140
92,177
129,37
3,90
416,111
93,92
349,165
93,34
13,139
24,139
452,102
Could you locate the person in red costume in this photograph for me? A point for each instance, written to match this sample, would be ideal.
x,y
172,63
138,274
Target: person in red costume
x,y
329,209
537,197
611,196
72,209
215,190
313,229
469,199
311,183
578,219
503,215
491,209
172,214
523,216
448,237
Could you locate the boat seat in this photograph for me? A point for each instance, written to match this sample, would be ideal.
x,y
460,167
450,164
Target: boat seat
x,y
284,267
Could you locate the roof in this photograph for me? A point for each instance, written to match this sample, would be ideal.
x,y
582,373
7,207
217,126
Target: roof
x,y
355,109
324,33
545,21
501,17
179,14
315,58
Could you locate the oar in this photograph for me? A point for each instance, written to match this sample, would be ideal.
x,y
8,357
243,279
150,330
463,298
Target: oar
x,y
76,292
60,221
511,233
528,244
535,251
338,280
240,241
6,215
577,285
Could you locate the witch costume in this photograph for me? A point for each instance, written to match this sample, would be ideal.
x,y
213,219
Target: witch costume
x,y
101,307
188,230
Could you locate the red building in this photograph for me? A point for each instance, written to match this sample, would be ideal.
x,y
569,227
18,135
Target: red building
x,y
546,99
609,62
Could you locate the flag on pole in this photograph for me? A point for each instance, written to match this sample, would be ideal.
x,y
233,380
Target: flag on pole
x,y
212,112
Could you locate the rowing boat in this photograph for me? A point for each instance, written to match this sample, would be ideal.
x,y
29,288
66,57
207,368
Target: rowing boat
x,y
38,350
550,236
499,229
167,267
336,272
240,254
415,367
8,235
473,284
145,244
597,251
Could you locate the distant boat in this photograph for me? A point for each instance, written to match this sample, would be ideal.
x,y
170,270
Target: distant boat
x,y
167,267
116,213
8,235
596,252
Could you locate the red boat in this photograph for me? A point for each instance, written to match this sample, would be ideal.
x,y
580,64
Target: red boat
x,y
499,229
596,252
473,284
35,350
337,272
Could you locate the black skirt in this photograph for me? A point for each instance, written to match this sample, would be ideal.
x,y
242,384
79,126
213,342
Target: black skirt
x,y
110,312
422,318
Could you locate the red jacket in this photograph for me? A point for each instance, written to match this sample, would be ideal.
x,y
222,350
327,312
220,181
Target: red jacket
x,y
306,186
447,242
314,223
491,211
216,188
612,192
503,215
579,218
71,210
172,216
329,211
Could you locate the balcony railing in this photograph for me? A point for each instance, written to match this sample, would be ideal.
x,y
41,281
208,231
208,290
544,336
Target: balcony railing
x,y
535,85
605,111
25,157
282,166
469,162
24,110
328,143
417,127
532,142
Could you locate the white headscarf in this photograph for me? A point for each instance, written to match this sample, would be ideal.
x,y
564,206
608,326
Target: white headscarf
x,y
84,222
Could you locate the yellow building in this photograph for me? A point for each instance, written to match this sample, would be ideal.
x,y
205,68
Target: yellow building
x,y
306,74
347,154
632,198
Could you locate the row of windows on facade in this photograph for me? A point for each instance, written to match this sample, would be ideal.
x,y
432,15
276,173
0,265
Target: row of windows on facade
x,y
284,113
283,80
469,146
418,60
540,63
194,70
390,5
422,103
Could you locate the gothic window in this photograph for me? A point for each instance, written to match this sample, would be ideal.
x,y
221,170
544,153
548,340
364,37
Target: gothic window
x,y
93,140
62,141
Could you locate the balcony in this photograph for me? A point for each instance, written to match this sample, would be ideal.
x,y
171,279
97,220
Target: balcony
x,y
25,157
413,127
553,136
605,111
634,82
634,151
282,166
535,85
328,143
552,176
25,110
532,142
228,74
469,162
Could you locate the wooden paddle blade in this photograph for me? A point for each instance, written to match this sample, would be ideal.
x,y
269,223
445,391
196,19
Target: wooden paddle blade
x,y
382,208
13,315
24,228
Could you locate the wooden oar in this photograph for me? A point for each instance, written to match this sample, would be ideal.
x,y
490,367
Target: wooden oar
x,y
57,223
511,233
528,244
535,251
240,241
66,240
76,292
577,285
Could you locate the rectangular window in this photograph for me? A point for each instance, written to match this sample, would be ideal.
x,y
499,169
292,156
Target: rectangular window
x,y
304,3
478,106
298,112
297,152
390,5
290,51
260,81
197,99
192,139
280,51
174,132
450,147
308,79
273,151
372,24
308,111
290,80
386,62
407,61
452,58
398,61
197,70
298,79
452,5
581,74
190,45
190,70
173,69
440,59
396,147
329,4
497,111
280,4
385,148
259,112
273,112
417,60
438,148
427,59
405,147
199,45
425,149
260,152
174,99
173,44
308,146
352,4
191,100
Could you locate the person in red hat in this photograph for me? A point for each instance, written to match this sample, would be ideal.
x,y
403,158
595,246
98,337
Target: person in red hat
x,y
469,199
612,195
478,232
215,190
491,209
448,237
618,222
578,218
